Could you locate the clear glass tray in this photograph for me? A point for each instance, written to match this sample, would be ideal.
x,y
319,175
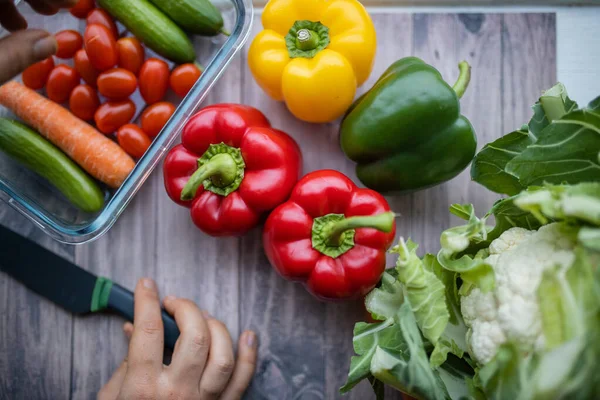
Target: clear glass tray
x,y
45,206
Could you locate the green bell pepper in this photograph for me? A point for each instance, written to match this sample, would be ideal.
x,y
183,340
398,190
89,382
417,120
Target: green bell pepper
x,y
407,133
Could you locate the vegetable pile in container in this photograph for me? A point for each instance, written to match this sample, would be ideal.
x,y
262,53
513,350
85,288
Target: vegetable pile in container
x,y
83,118
508,309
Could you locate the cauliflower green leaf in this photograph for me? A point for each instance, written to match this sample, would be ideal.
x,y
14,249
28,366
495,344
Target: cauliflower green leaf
x,y
426,292
407,368
384,301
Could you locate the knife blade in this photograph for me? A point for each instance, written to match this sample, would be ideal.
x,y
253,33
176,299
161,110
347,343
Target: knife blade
x,y
66,284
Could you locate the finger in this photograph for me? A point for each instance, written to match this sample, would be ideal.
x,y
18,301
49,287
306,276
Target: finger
x,y
147,340
111,390
128,330
23,48
220,361
42,7
11,18
191,349
244,367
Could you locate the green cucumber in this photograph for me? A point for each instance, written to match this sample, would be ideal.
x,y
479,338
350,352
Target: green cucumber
x,y
153,28
40,156
195,16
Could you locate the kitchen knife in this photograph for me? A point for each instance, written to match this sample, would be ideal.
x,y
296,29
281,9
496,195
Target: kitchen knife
x,y
67,285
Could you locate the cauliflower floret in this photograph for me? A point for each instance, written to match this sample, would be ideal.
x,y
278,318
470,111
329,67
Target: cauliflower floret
x,y
478,305
509,239
485,338
519,257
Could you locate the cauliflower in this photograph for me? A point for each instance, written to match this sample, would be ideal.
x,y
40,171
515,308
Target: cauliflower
x,y
510,311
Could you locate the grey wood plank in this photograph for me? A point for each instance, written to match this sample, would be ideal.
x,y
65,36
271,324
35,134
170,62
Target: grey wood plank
x,y
479,43
35,335
305,344
289,322
529,64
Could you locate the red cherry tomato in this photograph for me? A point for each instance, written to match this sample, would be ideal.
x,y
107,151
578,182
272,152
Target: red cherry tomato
x,y
113,115
84,102
82,8
69,42
154,80
101,17
183,78
100,46
131,54
155,117
36,76
85,68
61,82
117,83
133,140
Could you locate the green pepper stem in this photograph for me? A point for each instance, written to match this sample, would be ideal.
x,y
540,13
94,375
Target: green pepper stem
x,y
225,32
382,222
221,168
307,39
464,77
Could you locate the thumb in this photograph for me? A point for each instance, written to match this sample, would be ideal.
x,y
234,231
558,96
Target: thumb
x,y
23,48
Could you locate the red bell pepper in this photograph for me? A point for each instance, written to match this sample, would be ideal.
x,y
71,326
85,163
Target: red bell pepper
x,y
331,235
231,167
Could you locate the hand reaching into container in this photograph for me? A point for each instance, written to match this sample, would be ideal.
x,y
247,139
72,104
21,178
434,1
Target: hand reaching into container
x,y
25,46
202,366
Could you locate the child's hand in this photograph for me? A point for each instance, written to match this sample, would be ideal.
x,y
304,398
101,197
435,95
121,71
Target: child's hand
x,y
25,47
202,366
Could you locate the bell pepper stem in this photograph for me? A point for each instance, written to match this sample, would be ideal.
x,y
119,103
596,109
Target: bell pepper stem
x,y
307,39
382,222
464,77
221,168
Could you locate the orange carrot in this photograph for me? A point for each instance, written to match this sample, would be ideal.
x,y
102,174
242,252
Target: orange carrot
x,y
98,155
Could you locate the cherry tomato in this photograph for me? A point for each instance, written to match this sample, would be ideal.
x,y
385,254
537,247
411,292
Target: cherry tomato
x,y
84,102
131,54
100,46
113,115
183,78
154,80
117,83
82,8
61,82
101,17
133,140
69,42
85,68
155,117
36,76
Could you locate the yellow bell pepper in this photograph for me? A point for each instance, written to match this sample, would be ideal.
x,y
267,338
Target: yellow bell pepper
x,y
313,54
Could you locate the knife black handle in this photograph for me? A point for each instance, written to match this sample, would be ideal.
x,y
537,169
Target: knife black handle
x,y
120,300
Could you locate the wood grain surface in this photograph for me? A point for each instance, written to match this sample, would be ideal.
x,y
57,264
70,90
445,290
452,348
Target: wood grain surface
x,y
305,345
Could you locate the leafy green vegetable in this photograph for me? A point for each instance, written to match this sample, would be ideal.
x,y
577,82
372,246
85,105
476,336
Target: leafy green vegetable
x,y
407,369
553,105
551,170
489,166
560,145
367,338
384,302
424,290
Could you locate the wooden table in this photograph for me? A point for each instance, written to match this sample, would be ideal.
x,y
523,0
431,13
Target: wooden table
x,y
305,345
